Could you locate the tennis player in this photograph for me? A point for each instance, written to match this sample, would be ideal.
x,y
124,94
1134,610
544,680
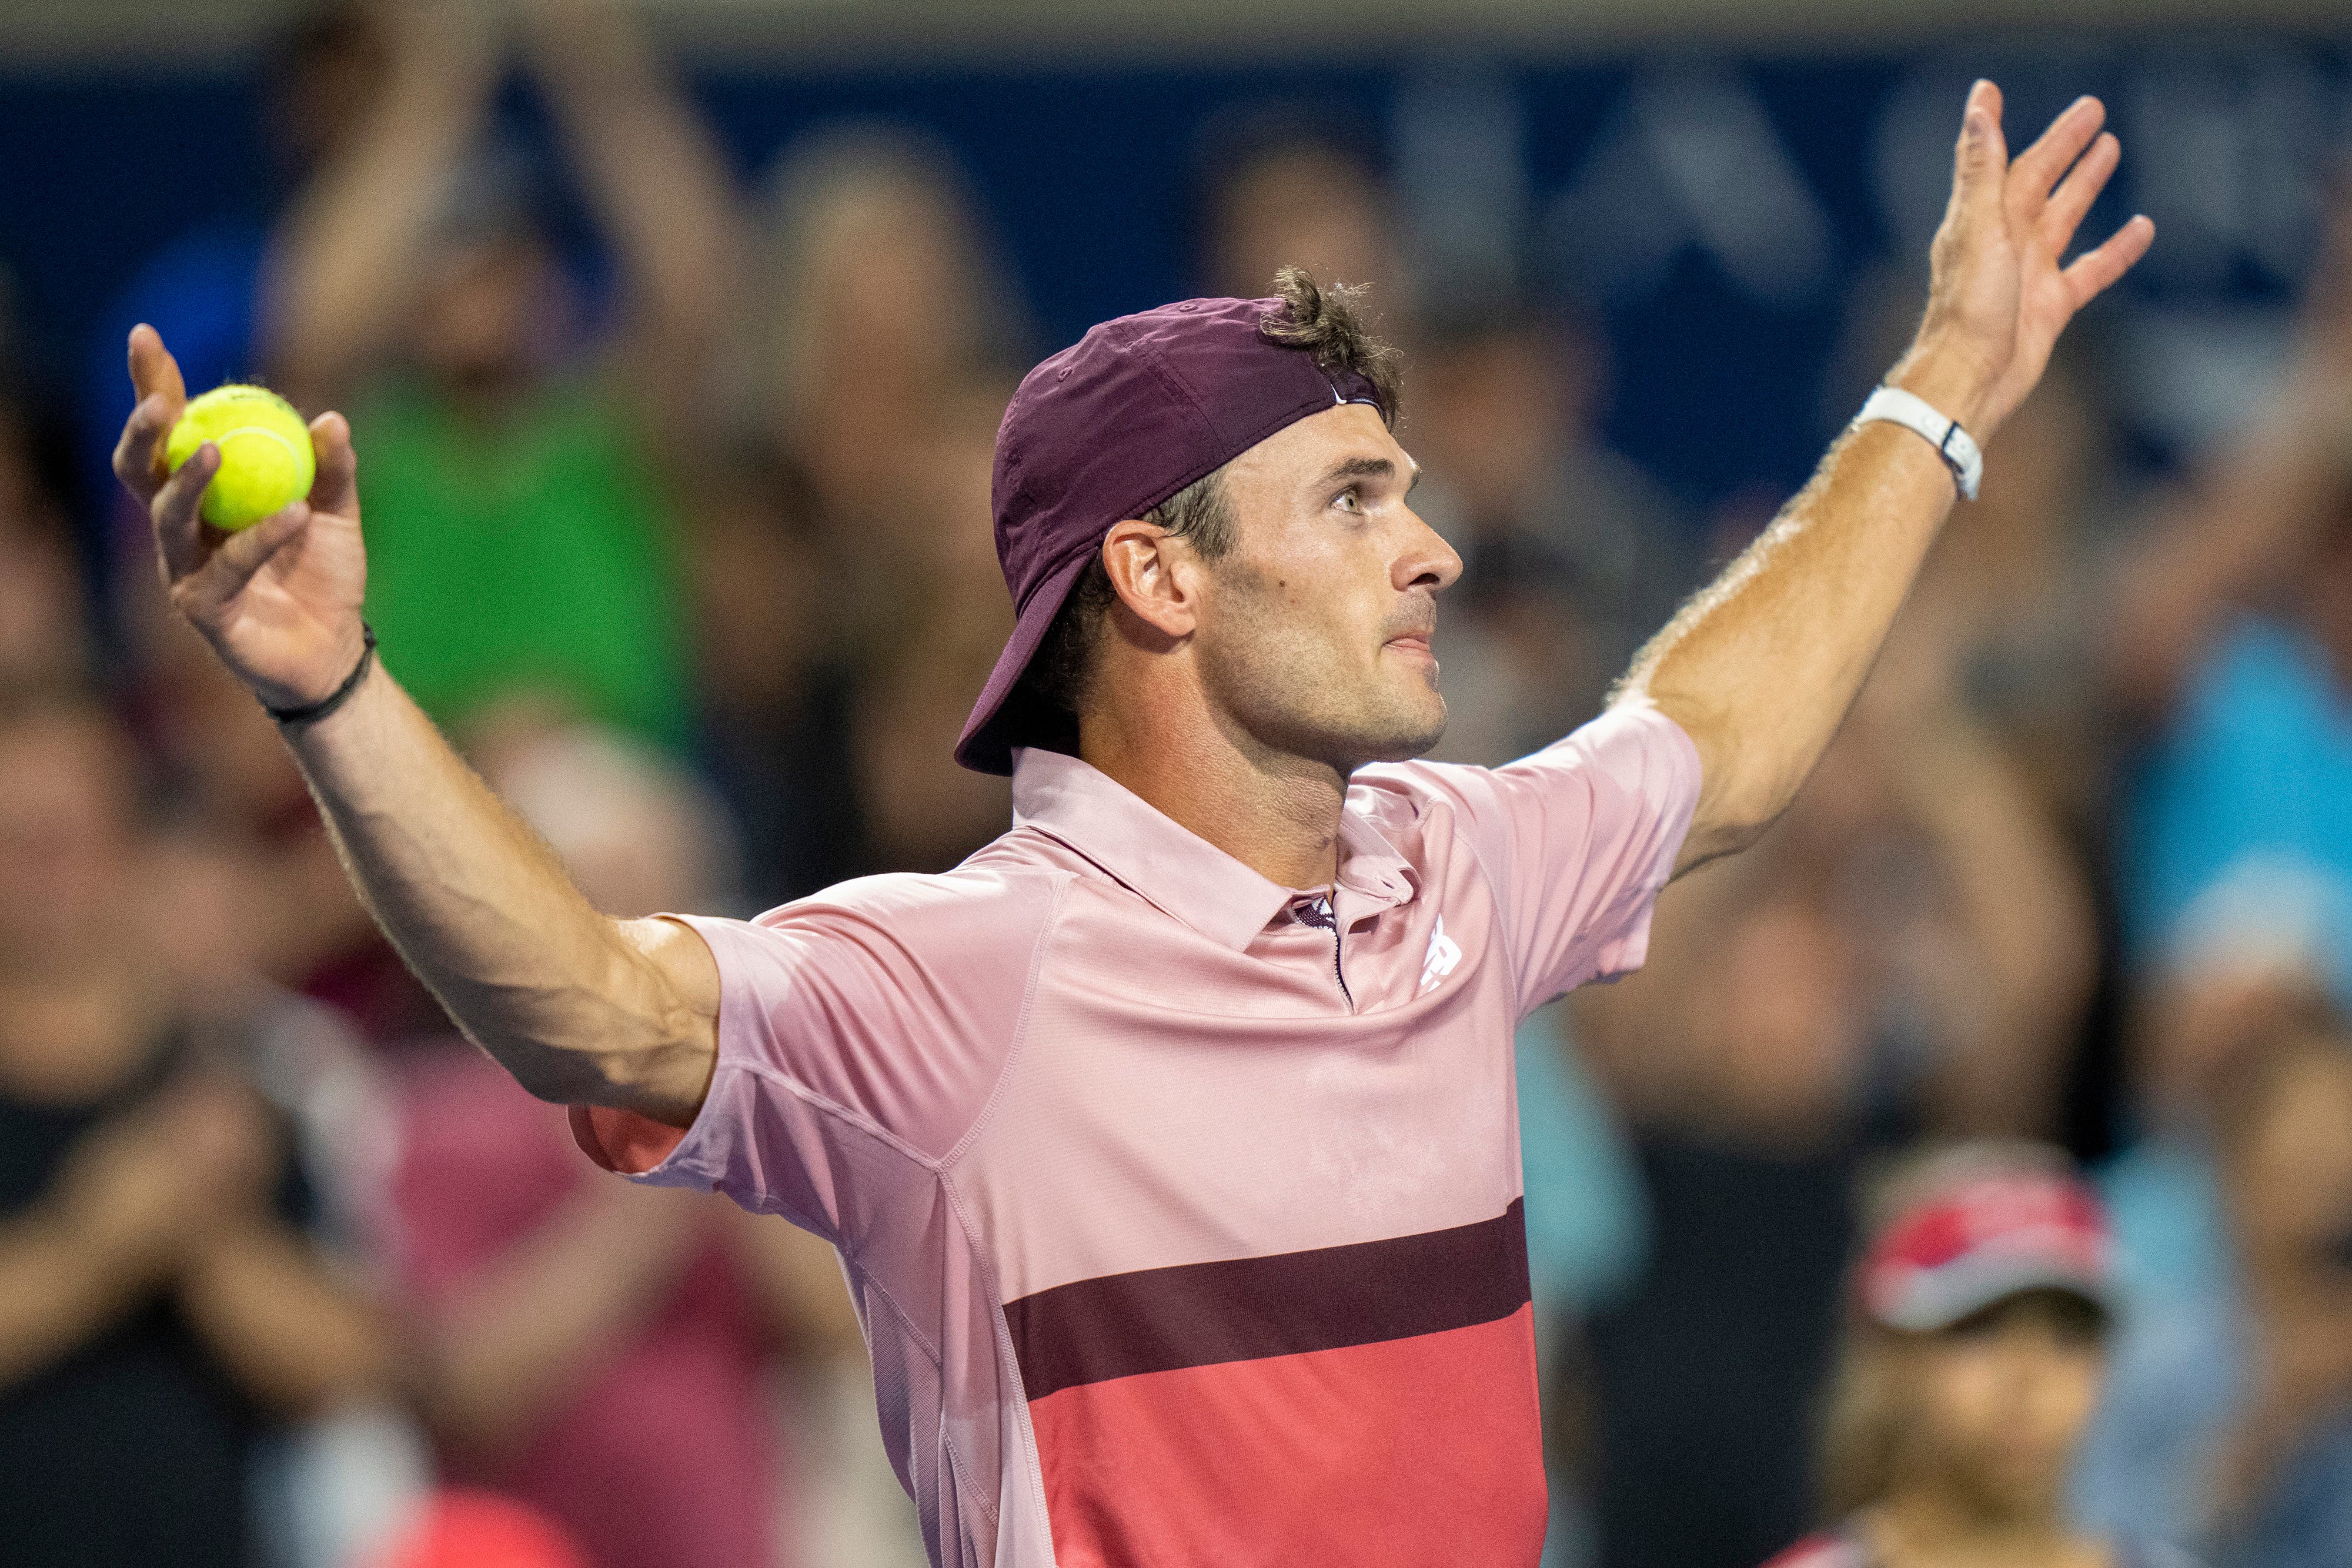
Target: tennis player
x,y
1169,1142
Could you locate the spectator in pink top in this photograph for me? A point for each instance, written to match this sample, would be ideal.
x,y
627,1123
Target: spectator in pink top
x,y
1169,1142
600,1353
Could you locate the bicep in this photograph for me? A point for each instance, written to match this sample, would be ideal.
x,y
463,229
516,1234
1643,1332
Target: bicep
x,y
667,1073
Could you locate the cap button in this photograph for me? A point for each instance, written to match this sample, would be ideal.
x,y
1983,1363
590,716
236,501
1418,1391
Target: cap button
x,y
1188,306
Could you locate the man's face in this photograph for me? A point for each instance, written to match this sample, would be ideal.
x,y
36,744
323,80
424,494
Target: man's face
x,y
1313,637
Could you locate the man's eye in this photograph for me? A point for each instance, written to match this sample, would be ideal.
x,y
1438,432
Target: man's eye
x,y
1348,500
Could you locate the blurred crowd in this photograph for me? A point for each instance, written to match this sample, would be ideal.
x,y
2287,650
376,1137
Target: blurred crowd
x,y
681,529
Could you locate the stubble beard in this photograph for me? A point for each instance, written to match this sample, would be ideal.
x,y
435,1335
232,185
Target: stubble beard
x,y
1292,694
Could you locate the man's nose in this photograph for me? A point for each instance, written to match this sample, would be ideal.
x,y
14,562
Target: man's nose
x,y
1427,560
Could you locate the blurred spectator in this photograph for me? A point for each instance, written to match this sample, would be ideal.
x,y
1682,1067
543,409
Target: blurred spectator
x,y
2255,950
160,1307
2283,1481
1571,557
890,341
2233,1386
520,536
43,632
1282,185
597,1350
774,678
2235,641
884,303
1969,1361
466,1526
1907,952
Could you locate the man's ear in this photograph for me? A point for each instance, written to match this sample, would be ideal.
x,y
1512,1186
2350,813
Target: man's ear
x,y
1156,576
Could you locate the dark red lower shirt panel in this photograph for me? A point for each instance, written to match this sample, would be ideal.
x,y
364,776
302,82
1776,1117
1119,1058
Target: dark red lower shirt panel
x,y
1406,1453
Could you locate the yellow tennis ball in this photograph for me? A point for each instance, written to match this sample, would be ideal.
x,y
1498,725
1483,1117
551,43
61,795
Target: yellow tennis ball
x,y
266,460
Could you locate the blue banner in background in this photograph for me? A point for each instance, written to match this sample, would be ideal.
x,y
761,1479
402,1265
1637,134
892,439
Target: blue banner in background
x,y
1734,224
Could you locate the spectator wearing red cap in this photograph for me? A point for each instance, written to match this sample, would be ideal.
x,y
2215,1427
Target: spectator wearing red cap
x,y
1974,1347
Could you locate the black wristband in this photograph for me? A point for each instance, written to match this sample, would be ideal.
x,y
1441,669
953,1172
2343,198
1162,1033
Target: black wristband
x,y
311,712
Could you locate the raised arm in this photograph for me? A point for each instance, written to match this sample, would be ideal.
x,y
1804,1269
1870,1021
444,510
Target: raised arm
x,y
2239,536
1760,667
581,1009
345,266
657,184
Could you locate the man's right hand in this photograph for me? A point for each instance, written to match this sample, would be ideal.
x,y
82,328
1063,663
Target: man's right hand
x,y
278,601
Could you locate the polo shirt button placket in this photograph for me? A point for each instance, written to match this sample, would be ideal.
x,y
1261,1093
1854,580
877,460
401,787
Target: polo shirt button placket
x,y
1318,912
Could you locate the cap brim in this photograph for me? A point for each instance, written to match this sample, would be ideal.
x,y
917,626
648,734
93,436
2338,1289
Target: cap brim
x,y
987,743
1958,1290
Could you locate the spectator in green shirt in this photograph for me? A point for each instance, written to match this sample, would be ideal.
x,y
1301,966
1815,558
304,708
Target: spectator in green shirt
x,y
522,527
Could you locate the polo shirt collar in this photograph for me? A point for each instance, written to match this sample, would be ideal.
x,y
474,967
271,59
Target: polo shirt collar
x,y
1177,871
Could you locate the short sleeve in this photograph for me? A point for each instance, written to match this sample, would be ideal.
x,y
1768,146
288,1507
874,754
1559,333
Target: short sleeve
x,y
861,1033
1577,840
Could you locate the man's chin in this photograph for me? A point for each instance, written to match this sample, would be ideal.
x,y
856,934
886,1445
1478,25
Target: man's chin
x,y
1407,741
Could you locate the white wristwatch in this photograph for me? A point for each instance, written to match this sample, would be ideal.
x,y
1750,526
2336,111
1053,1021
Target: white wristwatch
x,y
1959,450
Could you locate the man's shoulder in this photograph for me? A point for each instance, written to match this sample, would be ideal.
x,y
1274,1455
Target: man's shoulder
x,y
1002,898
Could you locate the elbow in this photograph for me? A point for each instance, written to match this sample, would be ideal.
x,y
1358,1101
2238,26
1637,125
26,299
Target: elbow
x,y
561,1077
613,1042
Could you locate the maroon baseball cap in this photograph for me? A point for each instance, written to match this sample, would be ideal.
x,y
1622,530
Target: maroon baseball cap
x,y
1109,428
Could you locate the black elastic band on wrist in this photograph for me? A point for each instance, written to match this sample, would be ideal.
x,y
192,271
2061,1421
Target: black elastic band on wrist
x,y
311,712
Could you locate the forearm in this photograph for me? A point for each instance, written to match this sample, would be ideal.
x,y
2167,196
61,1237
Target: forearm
x,y
2237,540
656,182
569,1001
1760,667
344,266
557,1306
56,1293
2022,906
291,1335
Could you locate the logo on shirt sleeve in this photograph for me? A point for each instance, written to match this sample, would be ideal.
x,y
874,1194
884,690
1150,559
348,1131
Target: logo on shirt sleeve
x,y
1444,953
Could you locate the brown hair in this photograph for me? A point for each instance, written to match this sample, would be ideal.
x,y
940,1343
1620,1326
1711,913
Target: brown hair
x,y
1322,320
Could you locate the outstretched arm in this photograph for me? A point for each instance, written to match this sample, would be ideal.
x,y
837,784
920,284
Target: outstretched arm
x,y
1762,666
581,1009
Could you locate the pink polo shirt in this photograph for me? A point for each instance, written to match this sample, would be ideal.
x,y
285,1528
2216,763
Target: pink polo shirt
x,y
1182,1214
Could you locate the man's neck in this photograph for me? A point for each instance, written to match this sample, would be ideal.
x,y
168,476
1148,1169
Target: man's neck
x,y
1276,814
1928,1530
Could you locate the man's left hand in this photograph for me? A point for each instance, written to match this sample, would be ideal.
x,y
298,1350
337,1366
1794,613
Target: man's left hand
x,y
1998,297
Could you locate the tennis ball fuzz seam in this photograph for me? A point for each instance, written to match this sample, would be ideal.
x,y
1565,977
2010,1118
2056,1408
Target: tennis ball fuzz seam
x,y
267,462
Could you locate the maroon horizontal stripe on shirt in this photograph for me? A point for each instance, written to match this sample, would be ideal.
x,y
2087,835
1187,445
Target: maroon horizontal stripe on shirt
x,y
1243,1309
